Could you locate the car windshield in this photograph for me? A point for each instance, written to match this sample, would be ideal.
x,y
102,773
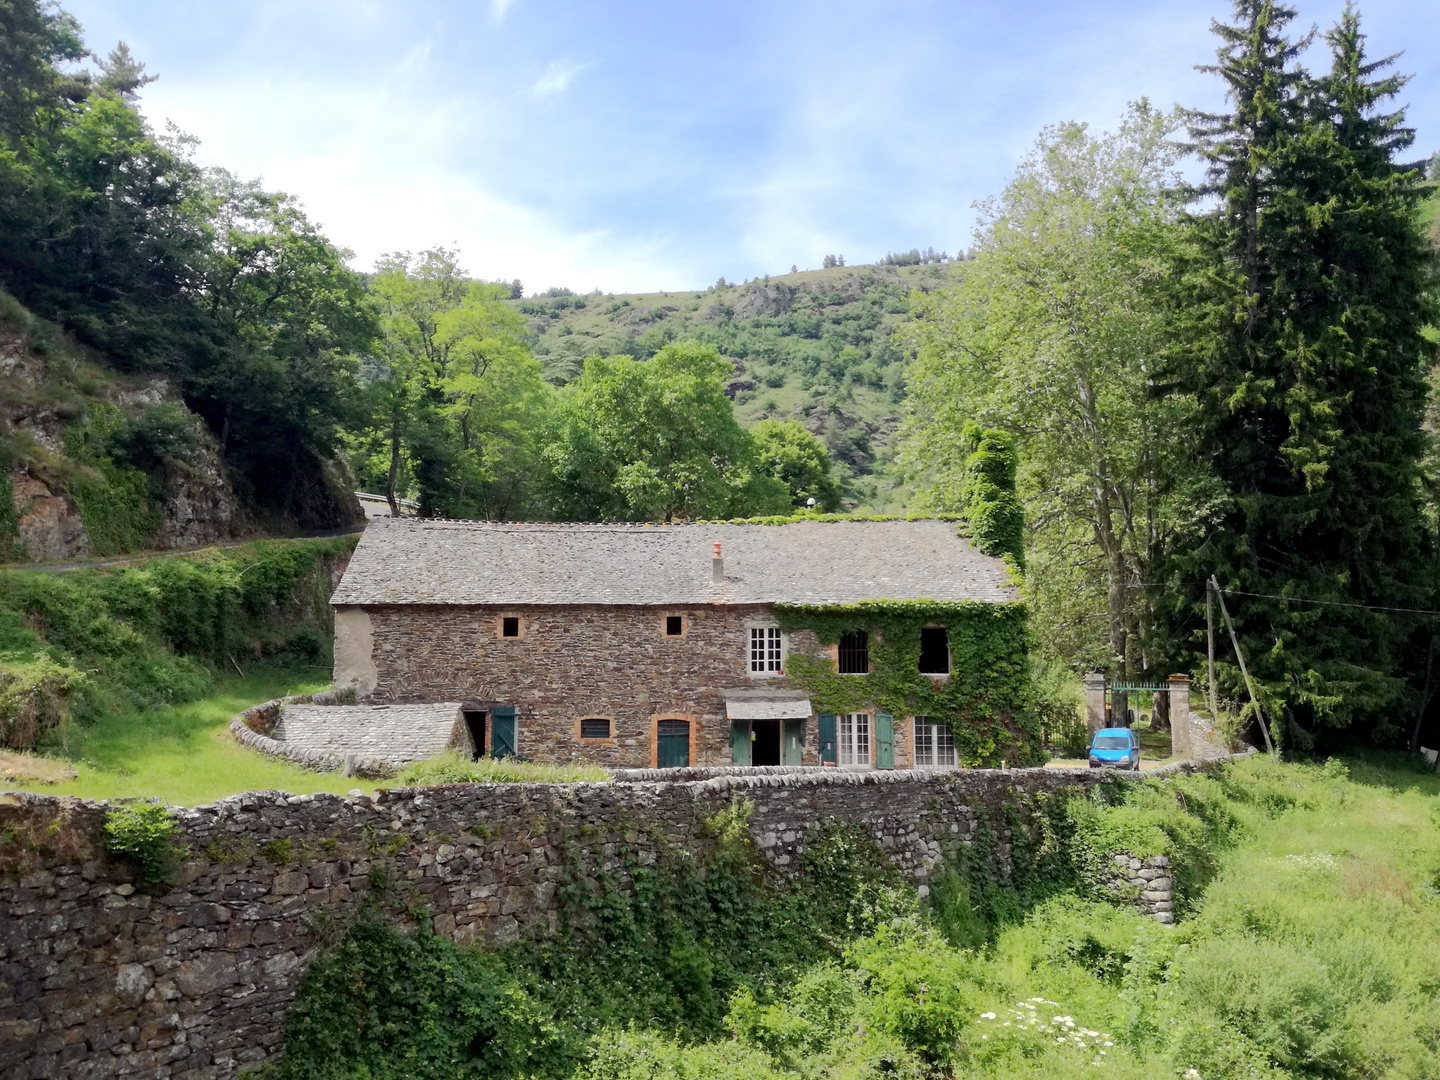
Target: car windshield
x,y
1112,742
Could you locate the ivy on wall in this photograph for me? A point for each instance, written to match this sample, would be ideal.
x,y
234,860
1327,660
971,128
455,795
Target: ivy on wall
x,y
987,699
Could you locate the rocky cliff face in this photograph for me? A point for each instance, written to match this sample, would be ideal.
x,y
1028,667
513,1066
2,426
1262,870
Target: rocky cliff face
x,y
45,393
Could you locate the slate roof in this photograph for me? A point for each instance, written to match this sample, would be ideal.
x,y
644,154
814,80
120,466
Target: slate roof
x,y
767,704
413,561
392,733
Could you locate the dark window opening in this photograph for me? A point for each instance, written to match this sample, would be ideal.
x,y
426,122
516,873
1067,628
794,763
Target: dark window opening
x,y
674,625
510,626
595,727
475,724
855,653
935,651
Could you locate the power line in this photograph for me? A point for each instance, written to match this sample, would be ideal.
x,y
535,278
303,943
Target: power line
x,y
1331,603
1287,599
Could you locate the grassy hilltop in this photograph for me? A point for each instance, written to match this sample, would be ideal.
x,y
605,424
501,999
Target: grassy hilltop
x,y
817,346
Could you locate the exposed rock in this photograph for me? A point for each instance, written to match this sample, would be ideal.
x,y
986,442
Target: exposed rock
x,y
772,298
50,527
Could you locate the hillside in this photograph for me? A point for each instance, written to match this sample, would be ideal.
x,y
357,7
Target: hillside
x,y
815,346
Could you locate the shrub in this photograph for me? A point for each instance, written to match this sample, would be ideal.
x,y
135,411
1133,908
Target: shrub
x,y
144,833
164,432
34,699
387,1005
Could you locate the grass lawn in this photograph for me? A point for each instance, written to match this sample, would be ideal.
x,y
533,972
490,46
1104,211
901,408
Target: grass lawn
x,y
184,754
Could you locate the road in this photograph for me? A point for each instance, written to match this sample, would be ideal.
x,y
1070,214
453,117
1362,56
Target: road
x,y
120,560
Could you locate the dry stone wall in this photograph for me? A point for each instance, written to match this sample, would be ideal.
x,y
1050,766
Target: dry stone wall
x,y
101,977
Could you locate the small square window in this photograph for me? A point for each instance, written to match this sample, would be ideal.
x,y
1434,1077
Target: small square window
x,y
674,625
510,626
595,727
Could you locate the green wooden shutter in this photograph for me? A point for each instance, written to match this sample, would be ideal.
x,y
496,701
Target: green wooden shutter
x,y
502,730
739,742
884,741
794,748
828,750
672,744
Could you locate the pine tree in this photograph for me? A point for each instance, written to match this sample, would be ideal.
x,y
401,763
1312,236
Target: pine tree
x,y
1308,363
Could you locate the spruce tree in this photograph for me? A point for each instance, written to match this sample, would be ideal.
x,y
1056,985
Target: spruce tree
x,y
1306,357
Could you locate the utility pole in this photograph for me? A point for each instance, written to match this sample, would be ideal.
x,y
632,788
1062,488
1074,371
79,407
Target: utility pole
x,y
1210,641
1249,686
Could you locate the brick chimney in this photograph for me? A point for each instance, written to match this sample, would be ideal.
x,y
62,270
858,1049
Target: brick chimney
x,y
717,566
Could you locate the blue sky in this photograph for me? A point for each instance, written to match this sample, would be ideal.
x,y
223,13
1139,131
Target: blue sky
x,y
646,145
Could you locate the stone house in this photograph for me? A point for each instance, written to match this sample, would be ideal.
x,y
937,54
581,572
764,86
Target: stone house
x,y
690,644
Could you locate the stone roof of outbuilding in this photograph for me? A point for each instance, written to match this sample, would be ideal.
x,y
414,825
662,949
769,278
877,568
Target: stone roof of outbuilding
x,y
412,561
395,734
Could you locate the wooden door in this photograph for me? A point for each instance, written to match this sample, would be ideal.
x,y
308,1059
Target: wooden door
x,y
503,723
793,750
884,741
672,744
739,742
829,750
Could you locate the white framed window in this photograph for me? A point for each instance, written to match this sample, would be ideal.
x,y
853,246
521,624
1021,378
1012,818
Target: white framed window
x,y
934,745
854,738
767,650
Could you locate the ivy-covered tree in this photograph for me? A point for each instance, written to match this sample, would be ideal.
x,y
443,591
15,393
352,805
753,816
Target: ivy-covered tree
x,y
1050,339
1306,360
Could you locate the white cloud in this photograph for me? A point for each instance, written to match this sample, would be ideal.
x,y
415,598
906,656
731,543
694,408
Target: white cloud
x,y
556,78
498,8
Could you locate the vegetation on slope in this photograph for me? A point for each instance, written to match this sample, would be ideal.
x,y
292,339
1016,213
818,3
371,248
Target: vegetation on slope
x,y
817,347
1305,949
106,641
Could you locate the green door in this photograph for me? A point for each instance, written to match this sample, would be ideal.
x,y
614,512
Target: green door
x,y
502,731
793,748
828,754
884,740
672,744
739,742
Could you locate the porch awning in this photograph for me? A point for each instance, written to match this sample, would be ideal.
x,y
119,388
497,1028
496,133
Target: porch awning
x,y
767,704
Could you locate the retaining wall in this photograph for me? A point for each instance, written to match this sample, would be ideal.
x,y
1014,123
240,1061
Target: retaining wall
x,y
100,977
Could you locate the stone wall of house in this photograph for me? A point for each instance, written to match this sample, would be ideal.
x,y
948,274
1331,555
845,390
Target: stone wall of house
x,y
103,977
584,661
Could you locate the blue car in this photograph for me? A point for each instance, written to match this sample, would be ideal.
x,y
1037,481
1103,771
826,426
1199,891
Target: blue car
x,y
1118,747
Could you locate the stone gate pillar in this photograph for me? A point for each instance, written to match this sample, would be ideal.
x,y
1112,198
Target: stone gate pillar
x,y
1094,701
1182,743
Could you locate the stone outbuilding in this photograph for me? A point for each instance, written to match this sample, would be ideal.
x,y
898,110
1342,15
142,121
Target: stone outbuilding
x,y
670,645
